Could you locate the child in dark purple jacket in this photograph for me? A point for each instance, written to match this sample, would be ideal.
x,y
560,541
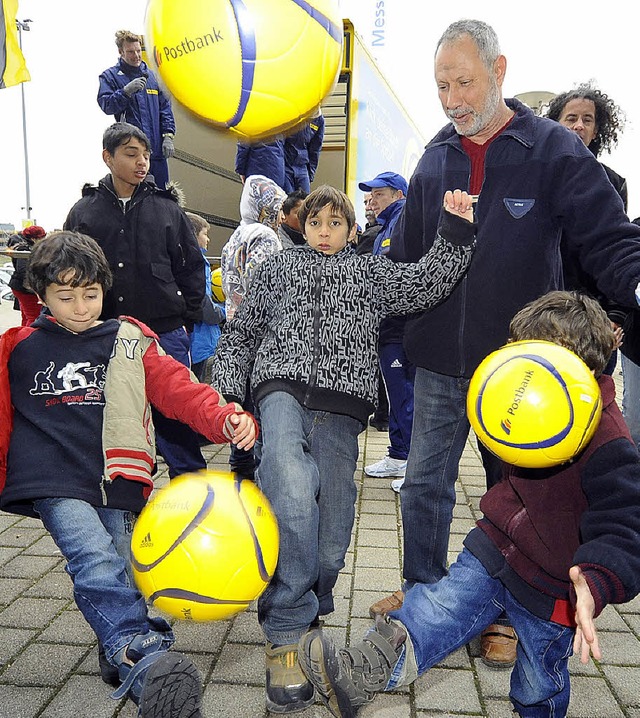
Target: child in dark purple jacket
x,y
553,548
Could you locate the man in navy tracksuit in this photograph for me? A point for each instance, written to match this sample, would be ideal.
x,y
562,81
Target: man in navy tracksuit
x,y
130,92
388,192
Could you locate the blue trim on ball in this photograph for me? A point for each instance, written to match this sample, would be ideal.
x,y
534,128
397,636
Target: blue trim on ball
x,y
182,595
552,440
264,574
334,31
247,35
205,509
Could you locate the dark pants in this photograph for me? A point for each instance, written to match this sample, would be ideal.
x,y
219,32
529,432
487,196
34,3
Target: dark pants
x,y
177,442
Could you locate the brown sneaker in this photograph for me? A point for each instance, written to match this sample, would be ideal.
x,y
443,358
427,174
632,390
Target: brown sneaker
x,y
288,689
498,646
384,605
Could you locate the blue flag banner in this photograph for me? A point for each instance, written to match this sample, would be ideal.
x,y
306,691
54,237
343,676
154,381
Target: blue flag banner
x,y
13,69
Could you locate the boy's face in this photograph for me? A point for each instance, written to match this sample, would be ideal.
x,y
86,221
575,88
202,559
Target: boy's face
x,y
327,231
129,165
203,238
75,308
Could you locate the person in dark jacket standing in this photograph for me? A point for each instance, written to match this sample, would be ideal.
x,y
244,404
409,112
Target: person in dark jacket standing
x,y
388,192
25,300
554,546
536,182
261,158
301,154
156,263
130,92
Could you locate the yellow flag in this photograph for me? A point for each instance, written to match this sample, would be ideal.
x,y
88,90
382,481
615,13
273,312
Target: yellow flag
x,y
13,69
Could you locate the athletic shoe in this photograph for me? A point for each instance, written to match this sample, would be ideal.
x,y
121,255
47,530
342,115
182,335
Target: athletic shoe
x,y
288,689
386,467
396,484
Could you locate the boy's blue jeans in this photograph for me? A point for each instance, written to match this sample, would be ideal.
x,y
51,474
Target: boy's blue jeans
x,y
441,617
306,471
96,542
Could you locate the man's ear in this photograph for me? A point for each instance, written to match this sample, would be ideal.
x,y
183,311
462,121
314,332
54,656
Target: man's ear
x,y
107,158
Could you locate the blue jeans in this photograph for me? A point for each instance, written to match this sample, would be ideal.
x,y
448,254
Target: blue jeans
x,y
631,397
306,471
177,442
399,375
441,617
96,542
440,430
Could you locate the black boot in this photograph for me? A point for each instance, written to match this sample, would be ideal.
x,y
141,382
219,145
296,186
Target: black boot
x,y
350,677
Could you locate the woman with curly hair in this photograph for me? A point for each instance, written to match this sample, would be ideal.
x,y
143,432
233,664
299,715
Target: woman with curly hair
x,y
596,119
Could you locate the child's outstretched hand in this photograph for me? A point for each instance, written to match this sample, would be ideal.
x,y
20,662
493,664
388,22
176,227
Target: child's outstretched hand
x,y
586,638
240,430
459,202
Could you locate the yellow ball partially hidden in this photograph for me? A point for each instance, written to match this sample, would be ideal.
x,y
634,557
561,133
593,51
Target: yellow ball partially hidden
x,y
534,404
205,547
252,67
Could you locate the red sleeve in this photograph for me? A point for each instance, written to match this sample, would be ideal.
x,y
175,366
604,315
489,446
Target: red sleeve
x,y
171,389
8,341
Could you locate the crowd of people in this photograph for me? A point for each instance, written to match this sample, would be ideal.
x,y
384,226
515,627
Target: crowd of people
x,y
510,228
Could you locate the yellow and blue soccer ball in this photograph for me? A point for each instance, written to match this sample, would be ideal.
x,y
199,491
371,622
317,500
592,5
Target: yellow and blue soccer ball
x,y
252,67
534,404
216,286
205,547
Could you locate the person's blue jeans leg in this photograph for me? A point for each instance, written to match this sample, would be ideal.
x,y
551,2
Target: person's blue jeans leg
x,y
399,376
306,471
159,168
177,442
440,430
540,684
631,397
88,537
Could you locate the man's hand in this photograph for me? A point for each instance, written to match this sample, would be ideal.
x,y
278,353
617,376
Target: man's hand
x,y
459,202
135,86
586,638
168,148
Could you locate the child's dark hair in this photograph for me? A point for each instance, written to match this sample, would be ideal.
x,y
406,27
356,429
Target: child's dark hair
x,y
293,200
54,258
572,320
121,132
323,196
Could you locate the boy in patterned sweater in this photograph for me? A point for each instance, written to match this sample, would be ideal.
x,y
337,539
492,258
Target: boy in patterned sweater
x,y
308,334
77,451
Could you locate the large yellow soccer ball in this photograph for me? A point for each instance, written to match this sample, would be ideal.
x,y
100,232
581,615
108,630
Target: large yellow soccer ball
x,y
534,404
205,547
254,67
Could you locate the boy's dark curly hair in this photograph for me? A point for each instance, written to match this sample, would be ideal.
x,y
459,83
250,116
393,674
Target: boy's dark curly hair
x,y
610,119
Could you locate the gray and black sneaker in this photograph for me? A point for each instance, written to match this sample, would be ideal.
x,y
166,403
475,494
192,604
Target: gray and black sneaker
x,y
163,684
348,678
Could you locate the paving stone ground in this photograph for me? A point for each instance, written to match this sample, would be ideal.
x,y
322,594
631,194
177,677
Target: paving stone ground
x,y
48,657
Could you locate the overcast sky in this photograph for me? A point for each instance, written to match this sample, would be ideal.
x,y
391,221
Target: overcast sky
x,y
551,46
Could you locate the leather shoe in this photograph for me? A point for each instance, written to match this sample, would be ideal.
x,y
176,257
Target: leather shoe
x,y
389,603
498,646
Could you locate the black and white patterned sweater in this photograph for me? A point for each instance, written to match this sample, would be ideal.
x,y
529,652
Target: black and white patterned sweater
x,y
309,322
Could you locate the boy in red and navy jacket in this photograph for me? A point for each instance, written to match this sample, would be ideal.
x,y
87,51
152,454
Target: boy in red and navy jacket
x,y
77,450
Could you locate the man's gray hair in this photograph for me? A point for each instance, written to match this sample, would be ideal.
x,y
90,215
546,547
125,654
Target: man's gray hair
x,y
482,34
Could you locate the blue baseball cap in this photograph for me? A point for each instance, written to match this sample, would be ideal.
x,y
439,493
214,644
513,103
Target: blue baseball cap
x,y
386,179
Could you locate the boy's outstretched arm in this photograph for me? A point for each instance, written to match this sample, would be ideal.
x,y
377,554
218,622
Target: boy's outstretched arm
x,y
586,638
459,202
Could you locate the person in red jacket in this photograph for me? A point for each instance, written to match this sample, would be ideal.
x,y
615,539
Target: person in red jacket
x,y
77,451
553,548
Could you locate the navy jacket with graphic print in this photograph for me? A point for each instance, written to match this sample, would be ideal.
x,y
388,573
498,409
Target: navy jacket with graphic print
x,y
540,182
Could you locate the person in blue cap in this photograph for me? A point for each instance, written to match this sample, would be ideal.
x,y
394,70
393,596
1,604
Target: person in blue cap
x,y
388,191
